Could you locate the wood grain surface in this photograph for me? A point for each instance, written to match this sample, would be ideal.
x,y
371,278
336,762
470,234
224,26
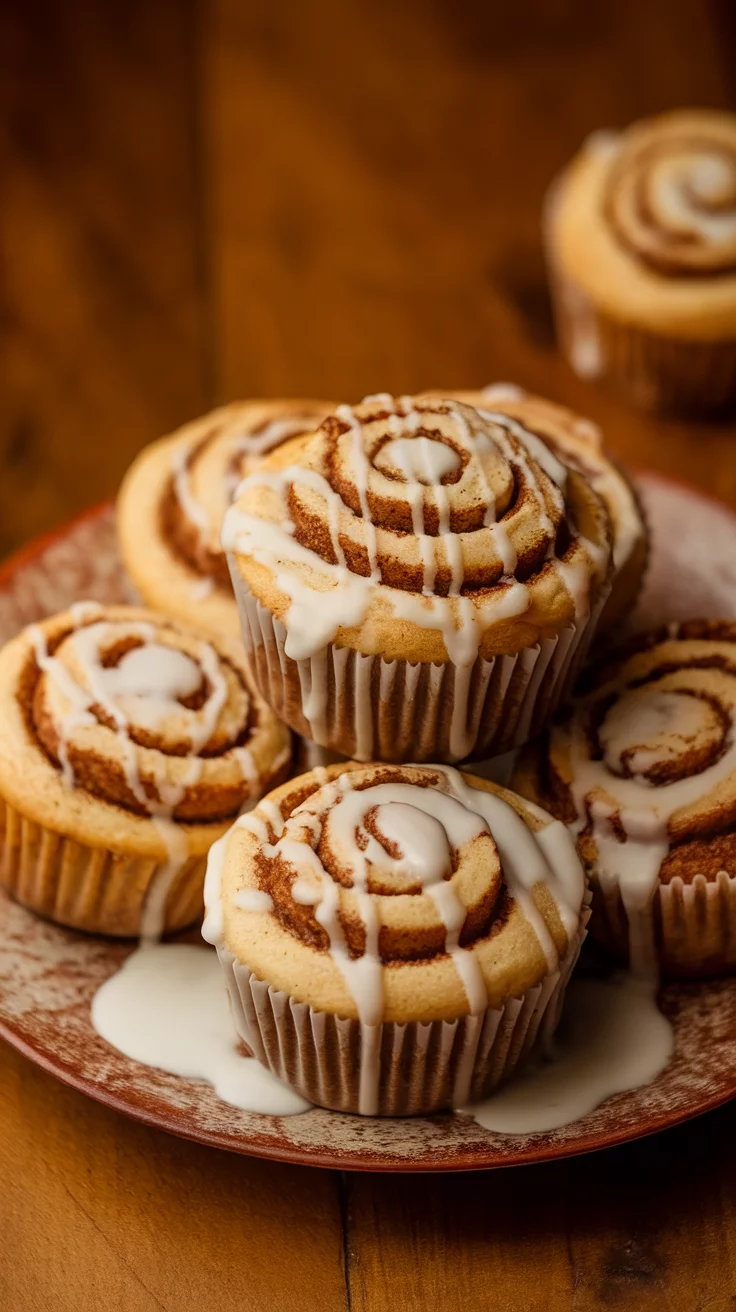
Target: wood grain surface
x,y
236,197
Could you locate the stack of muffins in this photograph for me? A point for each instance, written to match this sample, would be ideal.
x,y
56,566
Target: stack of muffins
x,y
409,584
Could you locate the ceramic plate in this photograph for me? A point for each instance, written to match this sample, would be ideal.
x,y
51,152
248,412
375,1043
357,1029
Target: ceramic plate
x,y
48,975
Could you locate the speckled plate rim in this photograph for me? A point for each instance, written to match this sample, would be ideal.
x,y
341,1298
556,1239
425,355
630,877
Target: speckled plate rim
x,y
477,1154
479,1158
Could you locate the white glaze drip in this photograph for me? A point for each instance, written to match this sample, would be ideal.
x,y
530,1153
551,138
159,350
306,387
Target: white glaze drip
x,y
641,809
411,839
612,1038
420,459
167,1007
144,688
342,598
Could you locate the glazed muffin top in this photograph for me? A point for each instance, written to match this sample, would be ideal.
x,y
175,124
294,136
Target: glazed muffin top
x,y
123,729
645,223
396,892
175,495
644,768
420,529
579,443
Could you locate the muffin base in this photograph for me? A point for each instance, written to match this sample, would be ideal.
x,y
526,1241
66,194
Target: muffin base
x,y
395,711
662,375
693,925
392,1069
90,888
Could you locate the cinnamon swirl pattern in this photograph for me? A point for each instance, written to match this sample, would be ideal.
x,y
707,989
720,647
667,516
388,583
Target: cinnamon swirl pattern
x,y
395,939
579,443
127,745
175,495
420,582
644,772
641,237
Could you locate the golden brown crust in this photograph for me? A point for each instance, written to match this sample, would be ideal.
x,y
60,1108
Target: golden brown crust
x,y
287,944
644,225
645,771
173,498
58,725
579,443
496,505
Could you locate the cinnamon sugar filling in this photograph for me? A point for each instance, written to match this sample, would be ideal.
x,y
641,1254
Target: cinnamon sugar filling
x,y
552,537
413,942
184,537
652,227
104,777
696,739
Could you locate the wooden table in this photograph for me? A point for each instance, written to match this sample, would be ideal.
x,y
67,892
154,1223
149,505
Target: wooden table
x,y
243,197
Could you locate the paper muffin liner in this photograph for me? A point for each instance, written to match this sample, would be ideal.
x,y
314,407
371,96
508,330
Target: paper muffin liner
x,y
369,708
90,888
693,924
422,1067
666,375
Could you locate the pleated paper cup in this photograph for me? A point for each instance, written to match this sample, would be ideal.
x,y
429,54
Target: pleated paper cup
x,y
665,375
423,1067
91,888
693,924
369,708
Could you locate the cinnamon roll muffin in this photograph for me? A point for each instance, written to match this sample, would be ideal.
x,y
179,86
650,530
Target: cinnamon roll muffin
x,y
419,582
644,773
641,239
579,443
395,939
127,745
174,497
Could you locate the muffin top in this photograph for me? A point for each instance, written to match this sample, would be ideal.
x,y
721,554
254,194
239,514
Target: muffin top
x,y
395,892
578,442
645,222
175,495
644,769
121,728
420,529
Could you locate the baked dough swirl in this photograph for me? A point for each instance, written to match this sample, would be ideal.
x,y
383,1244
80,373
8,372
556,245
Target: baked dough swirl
x,y
579,443
414,530
640,235
671,195
383,894
134,737
644,772
175,495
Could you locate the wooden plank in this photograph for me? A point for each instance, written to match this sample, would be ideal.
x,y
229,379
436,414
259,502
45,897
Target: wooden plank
x,y
101,346
646,1227
98,1212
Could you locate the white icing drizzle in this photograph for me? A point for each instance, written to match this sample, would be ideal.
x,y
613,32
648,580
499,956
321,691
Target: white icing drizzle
x,y
641,809
325,597
419,459
361,470
167,1007
253,899
584,346
144,688
240,444
612,1038
421,827
189,504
